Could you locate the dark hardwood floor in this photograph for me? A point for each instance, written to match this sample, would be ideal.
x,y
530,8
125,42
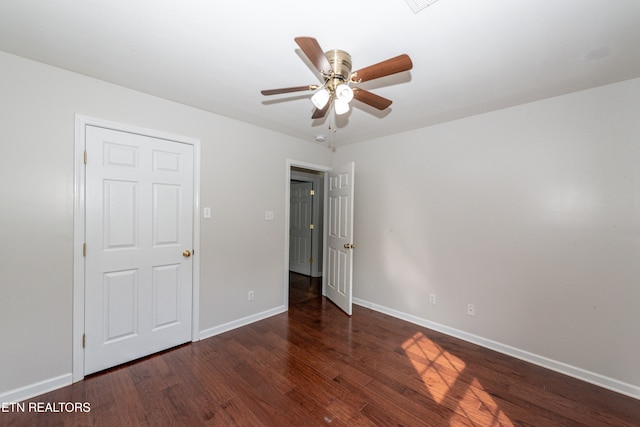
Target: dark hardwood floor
x,y
303,288
316,366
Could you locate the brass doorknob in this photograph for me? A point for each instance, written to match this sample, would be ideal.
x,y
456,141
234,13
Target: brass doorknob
x,y
186,253
349,246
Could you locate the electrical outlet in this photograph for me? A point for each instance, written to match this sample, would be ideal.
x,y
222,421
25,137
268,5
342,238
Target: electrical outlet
x,y
471,309
250,296
432,298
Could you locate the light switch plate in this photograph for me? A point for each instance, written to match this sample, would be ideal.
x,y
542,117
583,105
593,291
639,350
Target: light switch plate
x,y
268,215
206,212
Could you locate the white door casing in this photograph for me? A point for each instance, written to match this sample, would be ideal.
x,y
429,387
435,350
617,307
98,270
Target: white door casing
x,y
300,227
340,245
139,209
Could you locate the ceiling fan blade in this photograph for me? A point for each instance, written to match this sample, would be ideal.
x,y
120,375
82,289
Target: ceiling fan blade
x,y
394,65
320,113
314,52
370,98
287,90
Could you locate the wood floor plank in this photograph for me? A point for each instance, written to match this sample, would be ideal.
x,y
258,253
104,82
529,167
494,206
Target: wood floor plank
x,y
261,397
316,366
320,414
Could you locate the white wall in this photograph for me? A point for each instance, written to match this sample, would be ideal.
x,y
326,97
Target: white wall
x,y
532,213
243,174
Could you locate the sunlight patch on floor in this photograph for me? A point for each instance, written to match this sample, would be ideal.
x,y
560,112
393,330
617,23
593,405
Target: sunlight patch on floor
x,y
443,374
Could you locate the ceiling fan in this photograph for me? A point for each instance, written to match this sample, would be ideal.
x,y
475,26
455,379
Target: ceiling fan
x,y
335,68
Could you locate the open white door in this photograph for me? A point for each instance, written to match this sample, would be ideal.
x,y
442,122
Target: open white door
x,y
340,236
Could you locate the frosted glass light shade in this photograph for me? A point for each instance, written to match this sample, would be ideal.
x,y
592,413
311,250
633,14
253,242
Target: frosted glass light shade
x,y
342,106
344,93
320,98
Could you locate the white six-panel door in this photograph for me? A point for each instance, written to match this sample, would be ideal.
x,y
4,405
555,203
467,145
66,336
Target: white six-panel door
x,y
340,243
299,230
139,236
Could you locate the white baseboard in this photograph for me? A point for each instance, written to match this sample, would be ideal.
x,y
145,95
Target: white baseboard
x,y
621,387
32,390
207,333
572,371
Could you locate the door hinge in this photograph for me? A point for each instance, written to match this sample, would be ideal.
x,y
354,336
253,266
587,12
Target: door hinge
x,y
312,192
311,227
85,157
84,249
310,260
84,340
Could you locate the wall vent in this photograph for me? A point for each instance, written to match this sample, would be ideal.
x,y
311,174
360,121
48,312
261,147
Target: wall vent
x,y
418,5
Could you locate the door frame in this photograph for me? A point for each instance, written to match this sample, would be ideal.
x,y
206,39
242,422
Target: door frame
x,y
79,212
287,217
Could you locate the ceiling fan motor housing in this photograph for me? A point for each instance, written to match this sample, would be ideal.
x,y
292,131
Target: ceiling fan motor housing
x,y
340,62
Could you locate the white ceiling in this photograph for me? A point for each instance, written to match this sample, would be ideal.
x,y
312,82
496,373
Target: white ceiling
x,y
469,56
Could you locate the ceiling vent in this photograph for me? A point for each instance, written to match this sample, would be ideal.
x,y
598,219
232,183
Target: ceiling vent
x,y
418,5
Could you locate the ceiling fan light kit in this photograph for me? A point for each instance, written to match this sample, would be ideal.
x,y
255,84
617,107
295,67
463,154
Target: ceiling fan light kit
x,y
341,106
344,93
321,97
335,68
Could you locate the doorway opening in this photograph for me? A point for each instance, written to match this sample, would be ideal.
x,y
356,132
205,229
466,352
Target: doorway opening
x,y
337,238
305,231
305,234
